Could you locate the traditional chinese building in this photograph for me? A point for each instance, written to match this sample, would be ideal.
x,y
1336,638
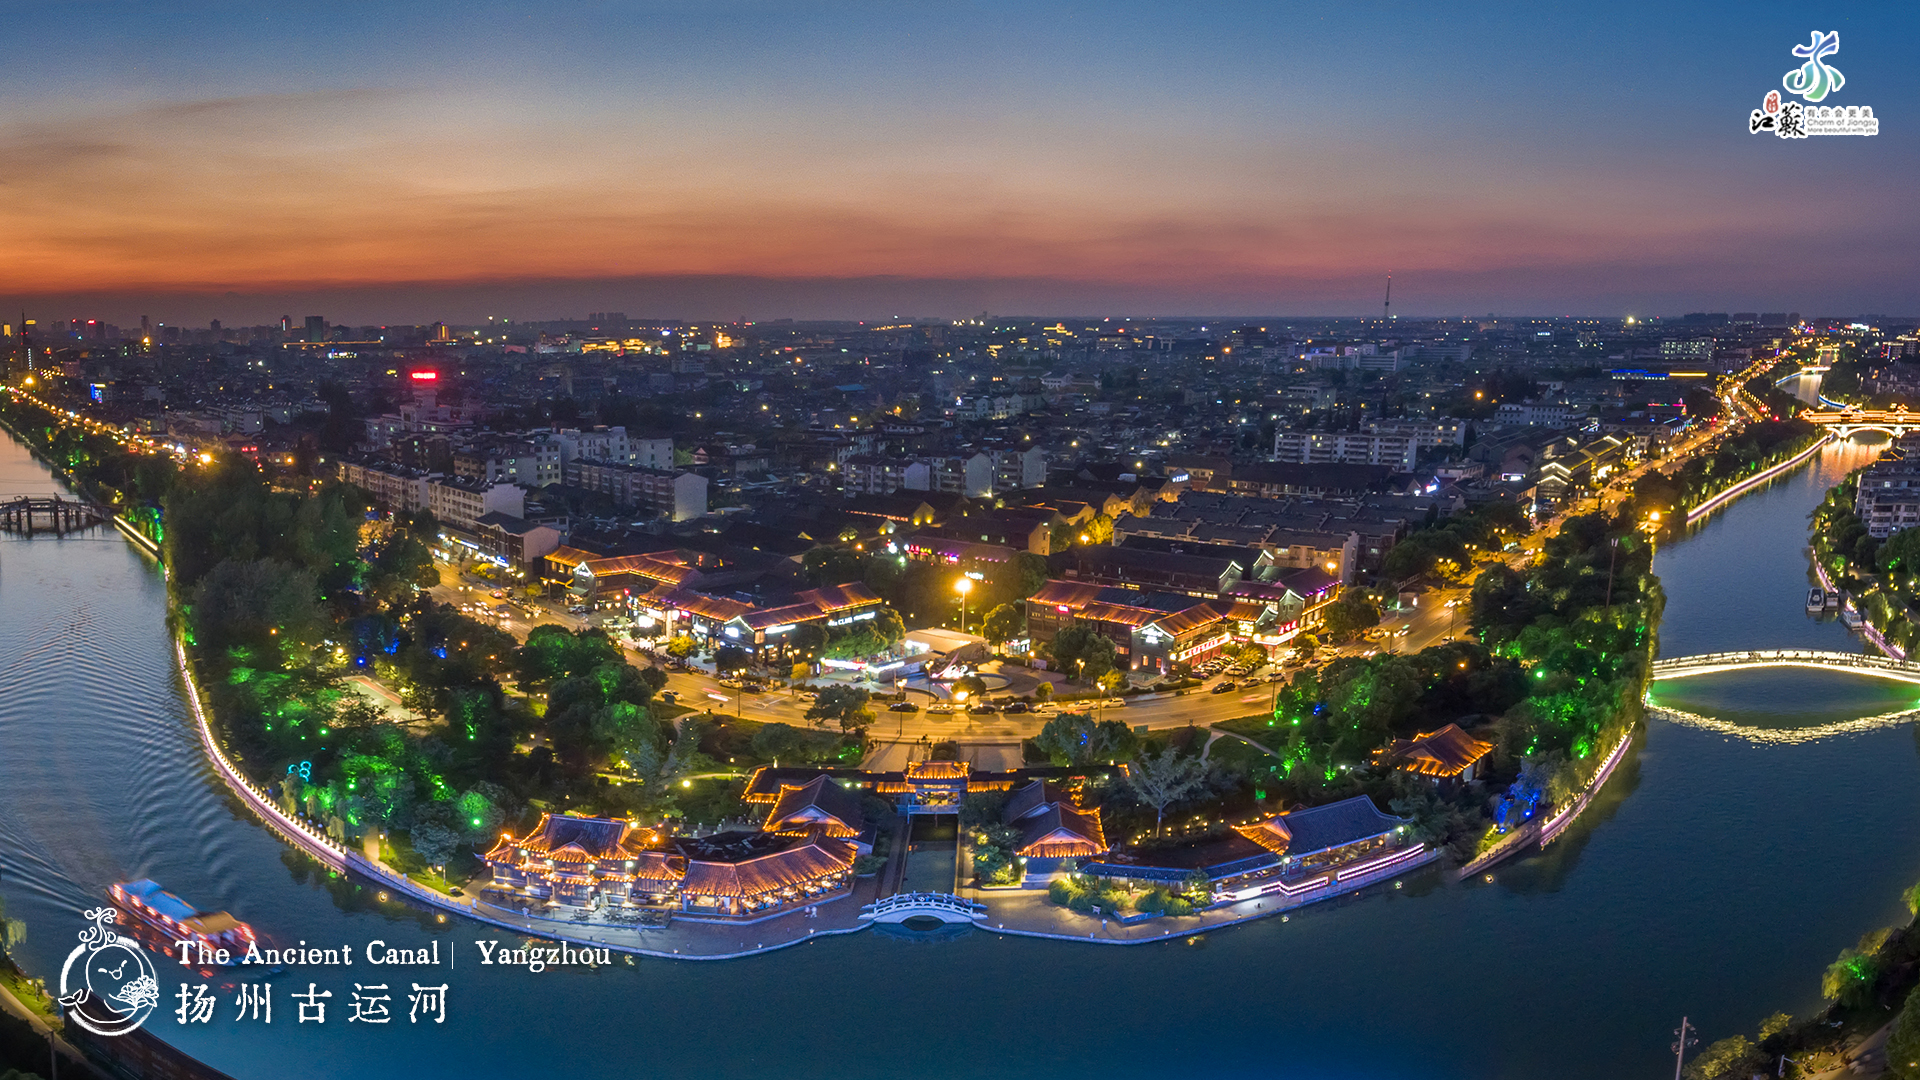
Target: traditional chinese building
x,y
576,861
1322,836
591,862
749,874
1299,842
1052,831
1448,754
820,806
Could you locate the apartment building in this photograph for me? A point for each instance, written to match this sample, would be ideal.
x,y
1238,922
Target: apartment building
x,y
664,492
462,503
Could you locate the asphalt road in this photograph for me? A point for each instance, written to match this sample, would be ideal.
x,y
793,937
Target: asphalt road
x,y
1432,622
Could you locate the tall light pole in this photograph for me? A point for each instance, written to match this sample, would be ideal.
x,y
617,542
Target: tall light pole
x,y
1683,1038
964,586
1613,555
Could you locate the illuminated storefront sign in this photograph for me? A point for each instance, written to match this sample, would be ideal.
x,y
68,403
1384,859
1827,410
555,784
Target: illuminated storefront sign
x,y
1195,650
862,617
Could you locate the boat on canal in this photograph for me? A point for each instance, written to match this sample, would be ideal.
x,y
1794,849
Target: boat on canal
x,y
1816,599
178,921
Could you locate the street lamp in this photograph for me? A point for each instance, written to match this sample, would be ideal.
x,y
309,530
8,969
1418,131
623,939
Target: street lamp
x,y
963,587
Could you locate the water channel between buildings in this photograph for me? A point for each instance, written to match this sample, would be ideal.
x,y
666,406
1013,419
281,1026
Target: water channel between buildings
x,y
1716,877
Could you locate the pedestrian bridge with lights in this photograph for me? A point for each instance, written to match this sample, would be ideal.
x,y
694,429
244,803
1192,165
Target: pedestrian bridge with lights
x,y
1846,422
943,906
1876,667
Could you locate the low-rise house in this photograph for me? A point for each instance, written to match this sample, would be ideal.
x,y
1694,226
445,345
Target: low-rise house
x,y
514,541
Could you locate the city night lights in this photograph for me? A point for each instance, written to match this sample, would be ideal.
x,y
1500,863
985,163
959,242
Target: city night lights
x,y
1235,540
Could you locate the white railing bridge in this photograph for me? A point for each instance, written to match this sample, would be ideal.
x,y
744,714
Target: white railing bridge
x,y
943,906
1878,667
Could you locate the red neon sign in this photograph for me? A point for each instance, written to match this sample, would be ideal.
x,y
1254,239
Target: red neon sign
x,y
426,376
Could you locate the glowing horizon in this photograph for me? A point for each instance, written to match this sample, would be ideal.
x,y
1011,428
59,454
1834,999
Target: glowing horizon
x,y
813,153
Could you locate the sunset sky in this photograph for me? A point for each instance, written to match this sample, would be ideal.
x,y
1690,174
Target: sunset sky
x,y
710,159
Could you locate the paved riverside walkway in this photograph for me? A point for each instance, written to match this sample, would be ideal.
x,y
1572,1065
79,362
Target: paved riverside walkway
x,y
686,938
1028,912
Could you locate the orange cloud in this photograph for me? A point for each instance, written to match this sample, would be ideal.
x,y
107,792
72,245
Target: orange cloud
x,y
372,186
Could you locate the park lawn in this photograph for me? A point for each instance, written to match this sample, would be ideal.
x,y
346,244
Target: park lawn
x,y
1231,751
28,992
1260,727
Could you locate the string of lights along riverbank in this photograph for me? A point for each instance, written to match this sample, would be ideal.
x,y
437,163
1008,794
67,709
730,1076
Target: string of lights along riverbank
x,y
70,733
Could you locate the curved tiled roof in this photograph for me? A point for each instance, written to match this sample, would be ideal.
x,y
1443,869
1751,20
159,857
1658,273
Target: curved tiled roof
x,y
1446,752
1304,832
1059,832
804,863
938,770
818,804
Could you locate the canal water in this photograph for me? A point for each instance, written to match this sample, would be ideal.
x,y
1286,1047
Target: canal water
x,y
1715,878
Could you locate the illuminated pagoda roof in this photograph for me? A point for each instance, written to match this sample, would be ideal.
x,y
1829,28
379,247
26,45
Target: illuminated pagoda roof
x,y
1028,800
1447,752
1061,832
820,804
740,865
938,770
1300,833
567,838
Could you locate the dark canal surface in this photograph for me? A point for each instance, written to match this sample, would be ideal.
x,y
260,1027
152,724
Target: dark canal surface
x,y
1716,877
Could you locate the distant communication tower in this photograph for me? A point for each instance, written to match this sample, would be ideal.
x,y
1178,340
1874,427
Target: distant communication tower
x,y
1386,309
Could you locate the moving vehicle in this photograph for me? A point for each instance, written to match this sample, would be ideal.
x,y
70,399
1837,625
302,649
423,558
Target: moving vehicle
x,y
903,707
178,921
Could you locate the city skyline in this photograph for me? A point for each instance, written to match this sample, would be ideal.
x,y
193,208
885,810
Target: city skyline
x,y
754,161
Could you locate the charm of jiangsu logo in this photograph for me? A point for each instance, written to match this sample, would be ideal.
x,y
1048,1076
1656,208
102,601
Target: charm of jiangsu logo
x,y
107,984
1813,81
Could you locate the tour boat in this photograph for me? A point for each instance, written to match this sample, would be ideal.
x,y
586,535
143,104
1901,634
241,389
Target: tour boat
x,y
1816,599
177,920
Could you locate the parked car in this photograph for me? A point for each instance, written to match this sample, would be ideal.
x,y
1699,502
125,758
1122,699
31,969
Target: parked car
x,y
1225,686
903,706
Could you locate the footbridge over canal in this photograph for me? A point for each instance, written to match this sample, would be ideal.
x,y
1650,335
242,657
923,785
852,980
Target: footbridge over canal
x,y
943,906
1876,667
52,514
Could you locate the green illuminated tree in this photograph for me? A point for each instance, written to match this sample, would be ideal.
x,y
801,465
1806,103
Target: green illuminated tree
x,y
1074,739
1082,651
13,932
1352,613
1003,624
1851,978
1730,1057
845,705
433,842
